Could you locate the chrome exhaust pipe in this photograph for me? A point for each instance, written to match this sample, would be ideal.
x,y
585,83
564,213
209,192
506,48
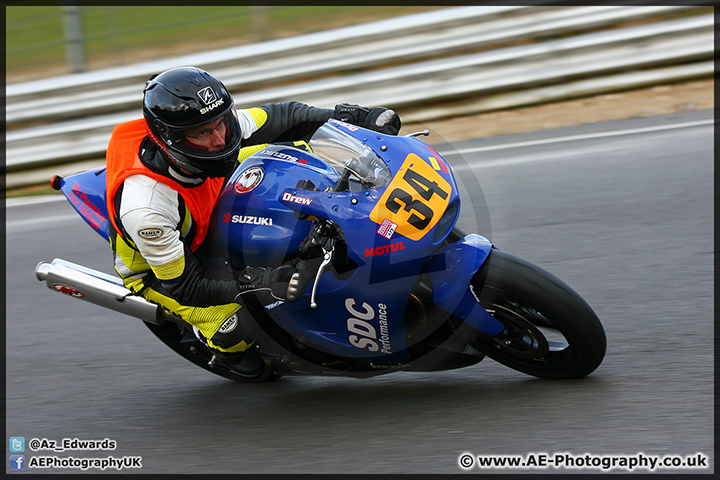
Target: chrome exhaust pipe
x,y
99,288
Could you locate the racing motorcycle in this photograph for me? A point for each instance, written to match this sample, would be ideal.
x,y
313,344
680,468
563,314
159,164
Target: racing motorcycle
x,y
399,287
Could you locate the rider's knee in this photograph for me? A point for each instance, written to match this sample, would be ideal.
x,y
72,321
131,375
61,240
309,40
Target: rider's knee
x,y
232,336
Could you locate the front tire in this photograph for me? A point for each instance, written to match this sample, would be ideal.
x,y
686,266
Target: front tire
x,y
551,332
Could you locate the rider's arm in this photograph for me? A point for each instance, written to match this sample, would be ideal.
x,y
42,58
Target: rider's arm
x,y
245,152
280,122
290,121
154,217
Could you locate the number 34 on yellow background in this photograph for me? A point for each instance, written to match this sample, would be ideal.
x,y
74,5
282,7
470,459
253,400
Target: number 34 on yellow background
x,y
415,200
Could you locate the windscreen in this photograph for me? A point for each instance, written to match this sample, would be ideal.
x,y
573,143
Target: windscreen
x,y
345,152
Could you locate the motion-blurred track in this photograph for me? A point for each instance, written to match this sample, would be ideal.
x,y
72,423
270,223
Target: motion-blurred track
x,y
621,211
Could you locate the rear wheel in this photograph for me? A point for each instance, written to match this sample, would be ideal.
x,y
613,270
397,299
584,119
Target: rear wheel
x,y
550,331
252,368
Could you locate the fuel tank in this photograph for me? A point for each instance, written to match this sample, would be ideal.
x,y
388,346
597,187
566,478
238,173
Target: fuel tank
x,y
250,223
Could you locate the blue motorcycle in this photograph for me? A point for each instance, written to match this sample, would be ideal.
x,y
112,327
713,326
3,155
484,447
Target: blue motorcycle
x,y
398,287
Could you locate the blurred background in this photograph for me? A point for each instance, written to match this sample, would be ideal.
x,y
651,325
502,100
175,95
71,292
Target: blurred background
x,y
54,40
589,129
73,72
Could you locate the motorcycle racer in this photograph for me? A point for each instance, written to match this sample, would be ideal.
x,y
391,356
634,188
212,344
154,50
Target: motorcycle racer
x,y
165,172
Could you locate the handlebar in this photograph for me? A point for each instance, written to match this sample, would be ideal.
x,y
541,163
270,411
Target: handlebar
x,y
424,133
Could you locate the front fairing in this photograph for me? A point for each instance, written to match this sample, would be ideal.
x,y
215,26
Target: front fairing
x,y
392,222
416,204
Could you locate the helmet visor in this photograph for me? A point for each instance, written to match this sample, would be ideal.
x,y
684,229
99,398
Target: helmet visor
x,y
212,139
210,149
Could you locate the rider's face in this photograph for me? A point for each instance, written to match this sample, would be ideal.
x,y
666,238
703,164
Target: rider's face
x,y
211,135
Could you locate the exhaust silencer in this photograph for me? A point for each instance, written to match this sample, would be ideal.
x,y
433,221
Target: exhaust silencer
x,y
98,288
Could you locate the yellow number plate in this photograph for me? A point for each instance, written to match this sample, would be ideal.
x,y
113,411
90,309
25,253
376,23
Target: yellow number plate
x,y
415,199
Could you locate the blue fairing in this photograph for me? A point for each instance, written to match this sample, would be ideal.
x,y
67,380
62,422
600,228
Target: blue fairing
x,y
361,313
86,193
254,227
460,260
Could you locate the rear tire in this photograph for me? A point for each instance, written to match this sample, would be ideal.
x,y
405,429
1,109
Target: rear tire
x,y
252,368
551,332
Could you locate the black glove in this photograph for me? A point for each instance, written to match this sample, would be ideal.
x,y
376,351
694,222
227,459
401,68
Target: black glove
x,y
281,283
383,120
380,119
351,113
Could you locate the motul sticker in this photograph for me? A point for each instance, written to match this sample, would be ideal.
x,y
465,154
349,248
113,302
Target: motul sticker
x,y
249,179
384,250
68,290
150,233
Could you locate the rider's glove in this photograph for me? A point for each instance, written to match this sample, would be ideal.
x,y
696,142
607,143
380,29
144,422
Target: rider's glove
x,y
380,119
351,113
383,120
281,283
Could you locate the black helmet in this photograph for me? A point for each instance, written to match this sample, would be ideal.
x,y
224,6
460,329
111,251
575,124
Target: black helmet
x,y
184,98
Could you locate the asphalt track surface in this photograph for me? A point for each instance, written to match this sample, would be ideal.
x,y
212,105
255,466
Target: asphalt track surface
x,y
621,211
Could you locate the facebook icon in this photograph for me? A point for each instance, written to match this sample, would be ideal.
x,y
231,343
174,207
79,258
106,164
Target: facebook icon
x,y
17,462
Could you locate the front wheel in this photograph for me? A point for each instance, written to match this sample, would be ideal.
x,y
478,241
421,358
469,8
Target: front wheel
x,y
550,331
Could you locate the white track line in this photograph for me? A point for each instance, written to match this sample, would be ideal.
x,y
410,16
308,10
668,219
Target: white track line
x,y
18,224
22,201
586,136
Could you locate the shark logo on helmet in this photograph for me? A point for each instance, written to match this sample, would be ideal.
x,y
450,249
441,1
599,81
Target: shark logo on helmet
x,y
207,95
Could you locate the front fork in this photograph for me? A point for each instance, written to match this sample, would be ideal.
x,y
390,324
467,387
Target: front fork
x,y
449,272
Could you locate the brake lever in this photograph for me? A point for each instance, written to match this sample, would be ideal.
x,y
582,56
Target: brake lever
x,y
327,259
424,133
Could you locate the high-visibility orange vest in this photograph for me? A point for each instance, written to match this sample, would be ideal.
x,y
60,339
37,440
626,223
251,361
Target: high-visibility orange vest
x,y
123,160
